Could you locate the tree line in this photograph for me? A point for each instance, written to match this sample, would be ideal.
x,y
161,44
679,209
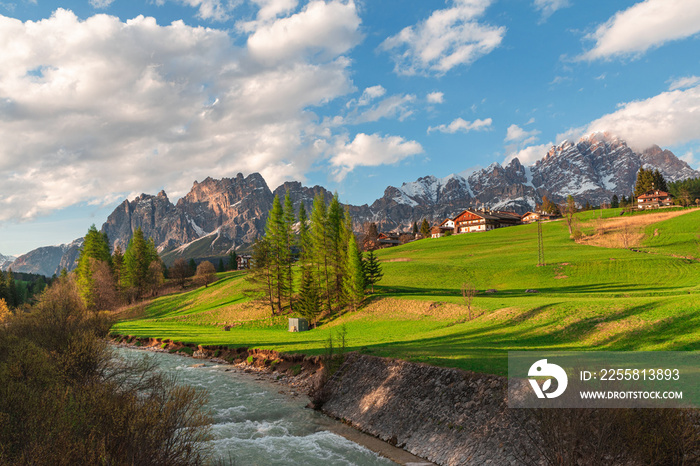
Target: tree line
x,y
310,265
18,289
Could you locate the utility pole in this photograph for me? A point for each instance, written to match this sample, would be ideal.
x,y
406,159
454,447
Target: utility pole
x,y
540,244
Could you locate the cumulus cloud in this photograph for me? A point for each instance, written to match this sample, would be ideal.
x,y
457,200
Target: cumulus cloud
x,y
548,7
646,25
529,155
448,38
461,125
515,133
115,107
668,119
370,150
435,97
321,30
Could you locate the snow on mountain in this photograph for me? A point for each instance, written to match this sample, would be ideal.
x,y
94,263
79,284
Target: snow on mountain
x,y
6,261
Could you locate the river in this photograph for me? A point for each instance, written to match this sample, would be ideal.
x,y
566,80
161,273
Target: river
x,y
256,425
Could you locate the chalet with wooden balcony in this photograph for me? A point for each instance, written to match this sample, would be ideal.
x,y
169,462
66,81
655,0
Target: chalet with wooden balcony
x,y
470,220
654,199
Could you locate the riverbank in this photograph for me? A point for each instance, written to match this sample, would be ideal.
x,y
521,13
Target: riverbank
x,y
282,377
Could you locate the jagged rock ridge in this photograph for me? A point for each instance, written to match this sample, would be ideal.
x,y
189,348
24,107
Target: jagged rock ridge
x,y
218,215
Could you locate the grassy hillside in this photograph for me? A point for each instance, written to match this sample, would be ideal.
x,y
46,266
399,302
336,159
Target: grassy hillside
x,y
588,298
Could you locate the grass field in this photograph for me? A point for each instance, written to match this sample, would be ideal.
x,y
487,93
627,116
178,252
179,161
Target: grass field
x,y
588,298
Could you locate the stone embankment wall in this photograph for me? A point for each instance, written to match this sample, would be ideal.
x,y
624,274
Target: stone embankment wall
x,y
448,416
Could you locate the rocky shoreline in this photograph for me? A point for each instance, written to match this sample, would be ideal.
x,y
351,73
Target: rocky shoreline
x,y
443,415
283,374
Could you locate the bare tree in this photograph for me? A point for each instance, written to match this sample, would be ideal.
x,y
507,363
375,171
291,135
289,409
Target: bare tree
x,y
179,272
104,287
206,272
568,210
468,293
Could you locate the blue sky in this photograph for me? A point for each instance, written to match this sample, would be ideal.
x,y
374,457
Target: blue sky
x,y
101,100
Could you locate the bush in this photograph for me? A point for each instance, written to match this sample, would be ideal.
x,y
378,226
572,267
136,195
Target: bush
x,y
64,398
295,370
250,359
187,350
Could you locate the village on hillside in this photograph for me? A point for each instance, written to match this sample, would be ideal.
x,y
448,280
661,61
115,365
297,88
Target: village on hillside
x,y
478,220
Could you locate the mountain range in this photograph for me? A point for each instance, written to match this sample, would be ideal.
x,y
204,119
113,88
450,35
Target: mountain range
x,y
218,215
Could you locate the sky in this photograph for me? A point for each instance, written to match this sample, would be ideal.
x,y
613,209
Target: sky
x,y
101,100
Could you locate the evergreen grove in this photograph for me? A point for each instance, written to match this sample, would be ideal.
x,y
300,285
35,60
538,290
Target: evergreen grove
x,y
310,265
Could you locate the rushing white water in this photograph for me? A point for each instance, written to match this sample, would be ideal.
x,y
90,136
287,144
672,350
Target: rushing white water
x,y
255,425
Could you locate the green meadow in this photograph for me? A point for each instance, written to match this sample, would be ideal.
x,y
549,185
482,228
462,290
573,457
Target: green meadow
x,y
587,298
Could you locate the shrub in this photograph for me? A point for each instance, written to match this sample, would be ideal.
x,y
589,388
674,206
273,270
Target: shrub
x,y
250,359
187,350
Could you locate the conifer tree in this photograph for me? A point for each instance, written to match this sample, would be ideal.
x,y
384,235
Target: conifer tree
x,y
95,249
615,202
304,242
260,275
11,287
277,241
337,251
290,245
3,286
309,302
355,279
415,228
373,270
425,228
137,259
320,249
220,267
118,265
193,267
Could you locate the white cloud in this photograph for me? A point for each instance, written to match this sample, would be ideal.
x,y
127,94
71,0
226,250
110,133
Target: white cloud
x,y
548,7
101,3
393,106
370,150
115,107
435,97
462,125
529,155
448,38
214,10
667,119
684,83
321,30
370,94
515,133
646,25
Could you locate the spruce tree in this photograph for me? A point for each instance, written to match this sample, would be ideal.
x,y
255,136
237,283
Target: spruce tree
x,y
118,266
304,242
290,245
193,267
260,275
337,251
373,270
220,267
277,240
309,302
137,259
95,249
615,202
425,228
11,287
354,281
320,249
3,286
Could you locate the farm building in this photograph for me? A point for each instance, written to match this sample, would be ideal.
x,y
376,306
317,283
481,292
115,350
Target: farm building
x,y
470,220
447,225
531,217
386,240
243,261
654,199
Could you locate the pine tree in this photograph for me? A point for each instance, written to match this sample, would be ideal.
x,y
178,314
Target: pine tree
x,y
309,302
355,278
277,240
11,287
425,228
137,259
3,286
95,249
373,270
118,265
337,251
415,228
290,245
221,267
304,242
193,267
615,202
320,249
260,275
